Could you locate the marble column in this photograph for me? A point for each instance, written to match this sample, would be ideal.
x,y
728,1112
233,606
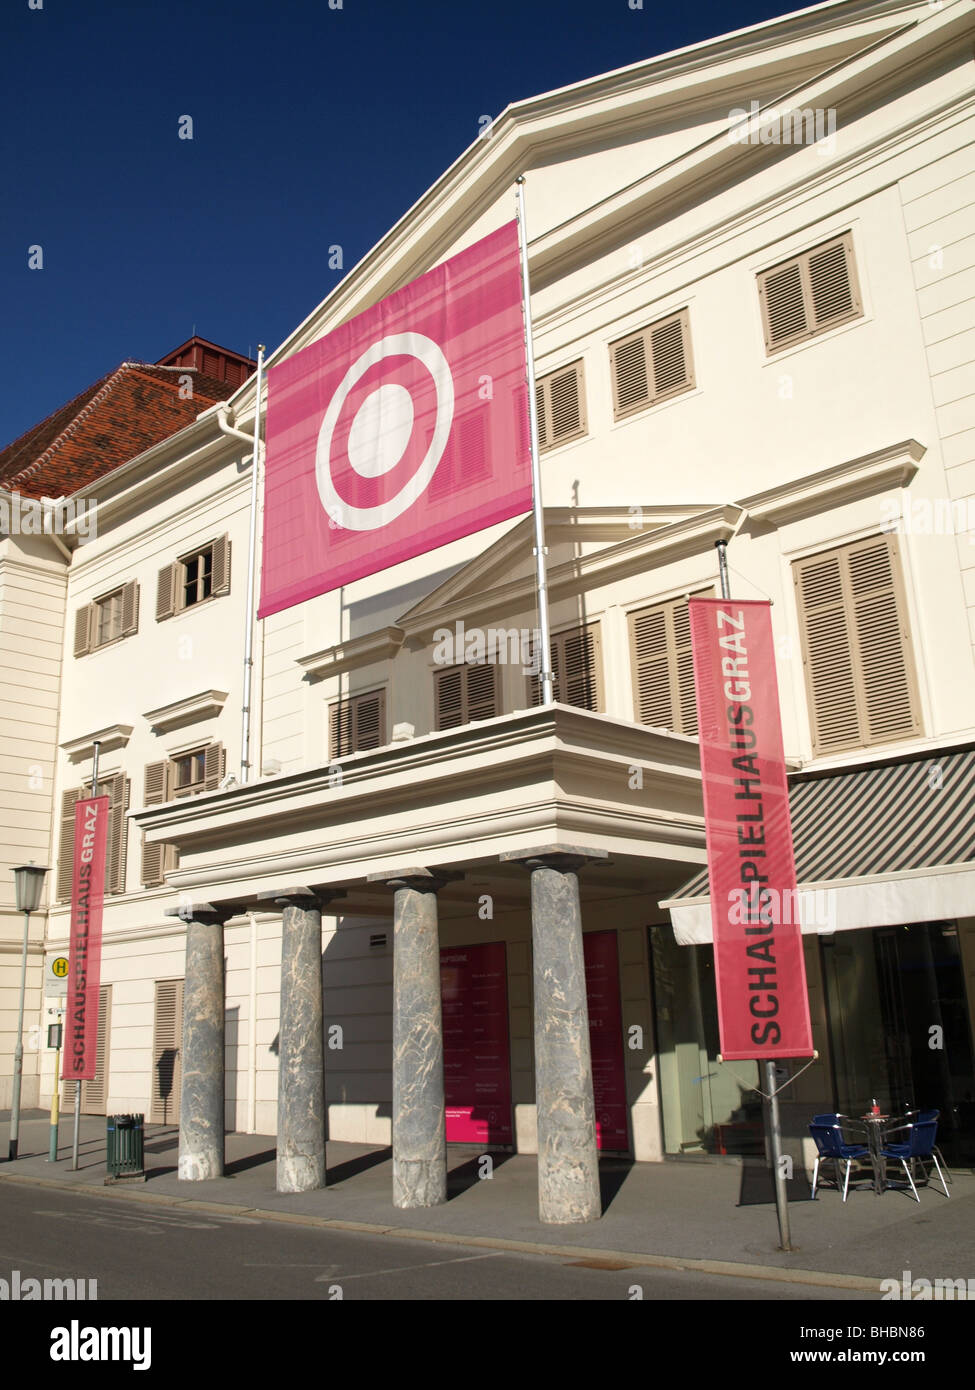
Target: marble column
x,y
419,1134
301,1054
568,1171
201,1106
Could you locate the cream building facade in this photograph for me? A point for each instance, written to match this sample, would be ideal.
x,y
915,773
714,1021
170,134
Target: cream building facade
x,y
737,339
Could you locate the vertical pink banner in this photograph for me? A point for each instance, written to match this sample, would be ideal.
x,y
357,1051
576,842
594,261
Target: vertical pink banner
x,y
85,955
476,1055
760,974
606,1038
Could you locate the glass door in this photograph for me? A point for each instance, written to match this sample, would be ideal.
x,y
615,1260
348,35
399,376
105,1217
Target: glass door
x,y
899,1027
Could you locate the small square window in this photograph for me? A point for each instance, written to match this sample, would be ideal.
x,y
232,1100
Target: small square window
x,y
189,772
108,618
197,577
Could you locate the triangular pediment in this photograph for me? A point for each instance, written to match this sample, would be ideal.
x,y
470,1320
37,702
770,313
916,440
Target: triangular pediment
x,y
574,537
650,135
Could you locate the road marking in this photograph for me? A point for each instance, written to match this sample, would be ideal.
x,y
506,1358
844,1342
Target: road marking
x,y
402,1269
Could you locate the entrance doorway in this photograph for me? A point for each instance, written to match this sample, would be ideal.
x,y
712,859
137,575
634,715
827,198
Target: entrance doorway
x,y
899,1028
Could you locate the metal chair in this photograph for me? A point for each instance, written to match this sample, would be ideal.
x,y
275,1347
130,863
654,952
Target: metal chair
x,y
830,1146
919,1147
924,1117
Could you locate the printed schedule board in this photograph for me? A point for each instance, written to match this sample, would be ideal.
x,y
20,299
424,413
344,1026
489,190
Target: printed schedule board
x,y
606,1038
477,1057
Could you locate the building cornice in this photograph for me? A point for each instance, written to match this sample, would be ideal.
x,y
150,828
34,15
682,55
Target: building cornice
x,y
380,645
891,467
81,748
207,704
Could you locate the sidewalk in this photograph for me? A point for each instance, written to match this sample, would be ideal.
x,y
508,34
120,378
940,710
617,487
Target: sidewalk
x,y
716,1216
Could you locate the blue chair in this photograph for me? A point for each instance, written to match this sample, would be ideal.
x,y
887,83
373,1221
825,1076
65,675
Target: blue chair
x,y
924,1117
919,1148
830,1147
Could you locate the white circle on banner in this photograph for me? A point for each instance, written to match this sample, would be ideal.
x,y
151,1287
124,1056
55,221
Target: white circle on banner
x,y
381,430
375,414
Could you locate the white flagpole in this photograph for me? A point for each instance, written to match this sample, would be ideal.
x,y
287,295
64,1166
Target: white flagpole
x,y
245,734
541,581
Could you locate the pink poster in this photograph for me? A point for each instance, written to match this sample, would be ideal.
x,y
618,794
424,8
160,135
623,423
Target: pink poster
x,y
85,954
760,973
476,1056
606,1038
403,429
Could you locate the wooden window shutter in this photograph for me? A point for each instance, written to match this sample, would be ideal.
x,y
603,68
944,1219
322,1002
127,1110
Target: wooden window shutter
x,y
832,283
578,678
369,717
94,1093
856,647
356,723
166,592
66,842
650,645
540,414
464,694
670,344
130,608
886,667
156,857
116,788
651,365
482,685
684,661
82,630
560,398
449,697
214,766
221,566
810,293
663,667
340,730
167,1046
576,669
784,307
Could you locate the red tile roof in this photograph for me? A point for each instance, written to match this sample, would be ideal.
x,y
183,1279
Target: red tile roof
x,y
120,416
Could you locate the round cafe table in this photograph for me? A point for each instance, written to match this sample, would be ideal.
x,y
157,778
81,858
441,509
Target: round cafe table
x,y
876,1130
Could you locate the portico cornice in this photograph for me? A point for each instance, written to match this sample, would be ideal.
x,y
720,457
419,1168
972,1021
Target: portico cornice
x,y
451,798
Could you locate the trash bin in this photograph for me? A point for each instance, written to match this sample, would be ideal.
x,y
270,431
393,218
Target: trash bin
x,y
125,1152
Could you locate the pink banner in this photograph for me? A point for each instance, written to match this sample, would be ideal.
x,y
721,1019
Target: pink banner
x,y
85,955
476,1056
760,975
606,1038
402,430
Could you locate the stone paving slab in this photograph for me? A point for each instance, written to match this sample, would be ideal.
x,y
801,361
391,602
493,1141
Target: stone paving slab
x,y
715,1215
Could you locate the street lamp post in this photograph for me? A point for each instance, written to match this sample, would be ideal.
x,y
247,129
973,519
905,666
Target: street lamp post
x,y
29,880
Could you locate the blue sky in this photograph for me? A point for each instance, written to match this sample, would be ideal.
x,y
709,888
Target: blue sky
x,y
312,126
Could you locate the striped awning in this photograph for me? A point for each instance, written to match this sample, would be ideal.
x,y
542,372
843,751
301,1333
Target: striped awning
x,y
890,843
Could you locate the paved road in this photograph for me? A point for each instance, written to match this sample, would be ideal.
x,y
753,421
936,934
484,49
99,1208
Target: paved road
x,y
146,1251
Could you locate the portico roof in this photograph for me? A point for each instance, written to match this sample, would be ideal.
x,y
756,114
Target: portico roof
x,y
457,799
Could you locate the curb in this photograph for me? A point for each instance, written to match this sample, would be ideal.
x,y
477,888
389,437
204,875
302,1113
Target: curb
x,y
624,1258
